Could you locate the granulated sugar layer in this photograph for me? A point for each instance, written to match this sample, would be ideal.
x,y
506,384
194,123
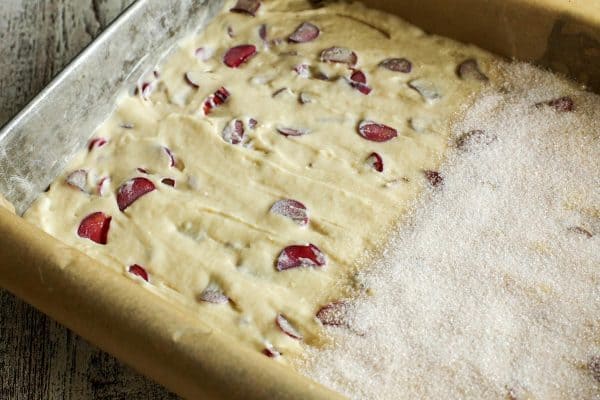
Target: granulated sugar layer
x,y
491,288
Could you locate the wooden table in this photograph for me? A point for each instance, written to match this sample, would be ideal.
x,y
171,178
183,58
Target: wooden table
x,y
40,359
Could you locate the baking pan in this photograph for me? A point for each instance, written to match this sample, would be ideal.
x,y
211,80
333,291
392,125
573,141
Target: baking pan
x,y
160,338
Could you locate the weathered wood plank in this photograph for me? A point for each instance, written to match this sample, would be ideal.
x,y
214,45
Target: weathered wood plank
x,y
40,359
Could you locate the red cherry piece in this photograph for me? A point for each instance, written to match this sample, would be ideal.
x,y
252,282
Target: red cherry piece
x,y
306,32
213,294
287,328
132,190
333,314
397,65
234,132
364,89
339,55
358,80
300,256
189,79
562,104
469,69
214,100
292,209
168,182
139,271
376,132
78,179
361,87
271,352
96,143
246,6
358,76
95,227
292,132
102,185
238,55
375,161
434,177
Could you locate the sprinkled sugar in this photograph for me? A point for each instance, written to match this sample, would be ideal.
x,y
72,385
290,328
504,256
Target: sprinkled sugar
x,y
491,288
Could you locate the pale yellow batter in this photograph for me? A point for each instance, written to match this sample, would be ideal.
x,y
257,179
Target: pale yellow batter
x,y
211,241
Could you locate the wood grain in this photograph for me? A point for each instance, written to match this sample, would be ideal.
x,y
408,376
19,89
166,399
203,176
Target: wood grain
x,y
40,359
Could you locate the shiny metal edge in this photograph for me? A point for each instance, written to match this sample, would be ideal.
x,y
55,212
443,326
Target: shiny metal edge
x,y
38,142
